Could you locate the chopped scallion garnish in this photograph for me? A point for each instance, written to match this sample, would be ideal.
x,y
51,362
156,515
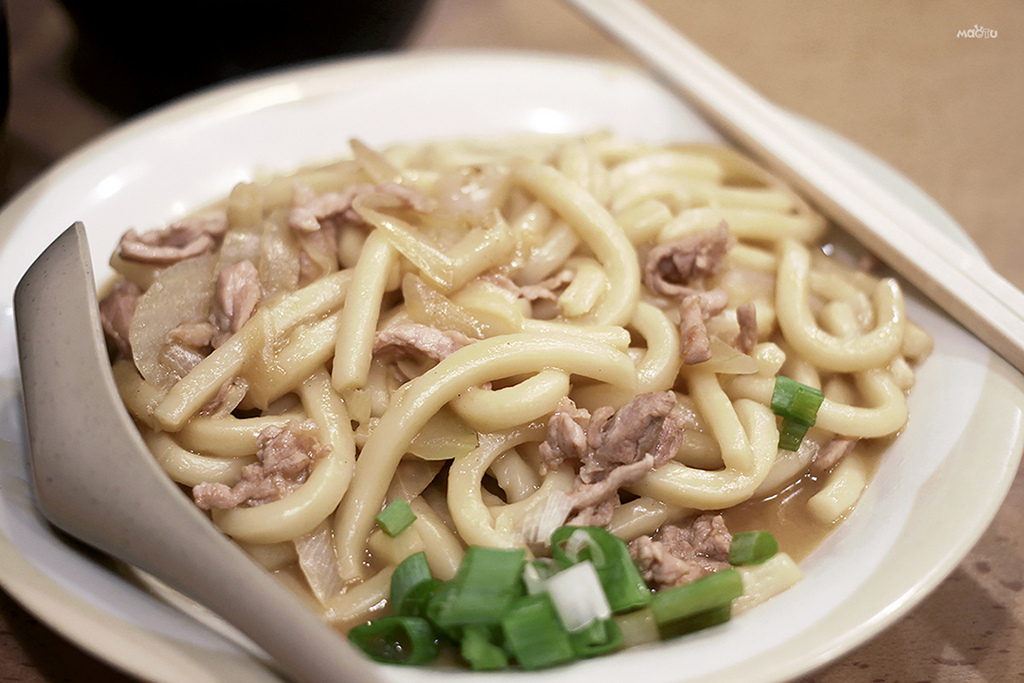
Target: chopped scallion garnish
x,y
487,582
480,651
396,640
578,597
534,635
752,547
419,597
623,585
695,622
581,545
708,593
588,599
394,519
791,434
795,400
601,637
409,574
798,406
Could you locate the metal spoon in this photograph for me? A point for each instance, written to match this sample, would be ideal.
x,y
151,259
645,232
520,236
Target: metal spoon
x,y
95,479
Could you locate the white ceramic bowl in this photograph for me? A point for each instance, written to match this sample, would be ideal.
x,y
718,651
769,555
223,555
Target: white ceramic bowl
x,y
934,493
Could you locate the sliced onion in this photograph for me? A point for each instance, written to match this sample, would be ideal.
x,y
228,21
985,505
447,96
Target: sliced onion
x,y
238,245
279,259
180,293
412,476
727,359
789,465
318,561
444,437
428,306
541,521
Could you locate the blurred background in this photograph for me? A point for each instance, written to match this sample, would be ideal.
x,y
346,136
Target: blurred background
x,y
132,55
891,76
5,72
901,79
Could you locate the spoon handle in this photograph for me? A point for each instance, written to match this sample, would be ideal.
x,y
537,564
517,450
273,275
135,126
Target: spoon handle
x,y
963,284
95,479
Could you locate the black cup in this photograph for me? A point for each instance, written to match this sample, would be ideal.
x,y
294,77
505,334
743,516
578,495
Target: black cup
x,y
132,55
5,67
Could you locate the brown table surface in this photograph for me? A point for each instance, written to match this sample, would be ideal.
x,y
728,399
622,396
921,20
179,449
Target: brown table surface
x,y
894,77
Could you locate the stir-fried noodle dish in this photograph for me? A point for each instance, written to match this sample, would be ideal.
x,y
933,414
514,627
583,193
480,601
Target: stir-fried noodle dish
x,y
514,402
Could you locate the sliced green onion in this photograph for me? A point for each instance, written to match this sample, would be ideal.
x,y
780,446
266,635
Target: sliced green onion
x,y
410,572
796,401
752,547
478,649
582,545
434,608
621,580
533,634
419,597
394,519
487,582
396,640
798,405
791,434
601,637
711,592
695,622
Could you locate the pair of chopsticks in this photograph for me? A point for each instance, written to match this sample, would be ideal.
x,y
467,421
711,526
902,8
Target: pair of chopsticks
x,y
963,284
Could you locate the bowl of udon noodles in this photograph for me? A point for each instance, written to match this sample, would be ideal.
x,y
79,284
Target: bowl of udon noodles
x,y
529,399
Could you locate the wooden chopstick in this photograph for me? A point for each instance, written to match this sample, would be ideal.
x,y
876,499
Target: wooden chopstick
x,y
957,280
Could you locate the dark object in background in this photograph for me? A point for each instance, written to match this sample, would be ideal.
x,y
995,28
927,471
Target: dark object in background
x,y
132,55
5,66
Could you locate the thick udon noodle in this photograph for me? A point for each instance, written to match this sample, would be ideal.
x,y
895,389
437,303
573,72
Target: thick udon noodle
x,y
459,438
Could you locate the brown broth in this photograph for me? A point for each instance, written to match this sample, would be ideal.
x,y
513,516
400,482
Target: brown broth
x,y
785,514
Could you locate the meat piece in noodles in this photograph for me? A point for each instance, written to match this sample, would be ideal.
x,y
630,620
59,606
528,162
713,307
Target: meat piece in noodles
x,y
412,347
237,295
311,211
116,312
674,269
318,254
285,457
186,346
648,425
613,449
681,555
547,289
746,318
196,335
181,240
415,339
694,312
566,438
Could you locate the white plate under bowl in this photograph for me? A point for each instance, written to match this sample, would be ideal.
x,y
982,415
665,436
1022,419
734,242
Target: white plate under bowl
x,y
936,490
